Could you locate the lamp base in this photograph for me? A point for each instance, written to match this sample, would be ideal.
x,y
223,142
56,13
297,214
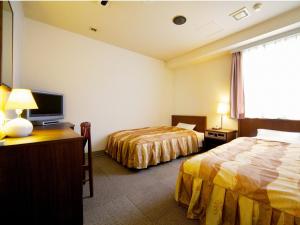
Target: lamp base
x,y
18,127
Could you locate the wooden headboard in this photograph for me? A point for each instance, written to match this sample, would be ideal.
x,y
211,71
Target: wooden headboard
x,y
200,121
248,127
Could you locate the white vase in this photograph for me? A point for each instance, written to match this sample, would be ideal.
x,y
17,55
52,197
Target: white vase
x,y
18,127
2,133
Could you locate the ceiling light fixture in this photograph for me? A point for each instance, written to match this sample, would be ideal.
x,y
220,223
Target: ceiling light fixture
x,y
93,29
240,14
257,7
104,2
179,20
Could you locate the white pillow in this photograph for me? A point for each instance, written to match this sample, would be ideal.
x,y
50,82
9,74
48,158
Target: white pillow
x,y
276,135
186,126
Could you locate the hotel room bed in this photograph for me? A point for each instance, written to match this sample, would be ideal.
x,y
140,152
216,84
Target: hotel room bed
x,y
246,181
140,148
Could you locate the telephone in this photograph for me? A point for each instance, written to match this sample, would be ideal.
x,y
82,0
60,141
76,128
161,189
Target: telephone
x,y
216,127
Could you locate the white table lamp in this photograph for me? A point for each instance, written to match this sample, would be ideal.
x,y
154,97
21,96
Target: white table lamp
x,y
19,99
223,109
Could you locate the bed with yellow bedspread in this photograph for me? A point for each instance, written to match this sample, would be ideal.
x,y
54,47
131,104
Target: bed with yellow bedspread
x,y
140,148
246,181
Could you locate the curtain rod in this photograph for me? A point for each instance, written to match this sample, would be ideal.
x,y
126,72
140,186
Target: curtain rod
x,y
268,39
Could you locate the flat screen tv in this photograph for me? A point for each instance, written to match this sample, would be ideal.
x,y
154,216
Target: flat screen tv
x,y
50,108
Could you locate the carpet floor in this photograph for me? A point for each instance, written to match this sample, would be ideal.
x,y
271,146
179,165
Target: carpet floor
x,y
130,197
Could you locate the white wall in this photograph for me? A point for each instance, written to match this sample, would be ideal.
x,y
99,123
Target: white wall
x,y
113,88
199,88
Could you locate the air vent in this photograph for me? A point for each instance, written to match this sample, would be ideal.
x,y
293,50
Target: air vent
x,y
240,14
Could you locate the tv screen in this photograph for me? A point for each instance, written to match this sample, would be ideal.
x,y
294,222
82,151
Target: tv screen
x,y
49,105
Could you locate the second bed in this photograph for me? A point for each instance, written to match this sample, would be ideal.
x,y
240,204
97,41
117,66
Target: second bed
x,y
140,148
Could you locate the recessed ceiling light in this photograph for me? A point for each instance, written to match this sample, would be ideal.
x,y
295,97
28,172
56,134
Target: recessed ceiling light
x,y
103,2
93,29
257,7
179,20
240,14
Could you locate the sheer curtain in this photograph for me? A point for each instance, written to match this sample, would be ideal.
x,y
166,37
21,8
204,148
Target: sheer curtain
x,y
271,74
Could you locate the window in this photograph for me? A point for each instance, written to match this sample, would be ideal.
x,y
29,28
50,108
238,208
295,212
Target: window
x,y
271,74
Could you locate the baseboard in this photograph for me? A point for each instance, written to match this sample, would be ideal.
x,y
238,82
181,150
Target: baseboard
x,y
98,153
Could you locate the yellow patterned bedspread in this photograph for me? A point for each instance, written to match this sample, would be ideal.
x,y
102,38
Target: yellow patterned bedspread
x,y
246,181
139,148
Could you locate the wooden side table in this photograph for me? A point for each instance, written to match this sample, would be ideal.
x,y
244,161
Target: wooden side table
x,y
214,138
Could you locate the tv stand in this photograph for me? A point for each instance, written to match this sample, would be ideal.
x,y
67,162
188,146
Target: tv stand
x,y
45,123
58,125
49,122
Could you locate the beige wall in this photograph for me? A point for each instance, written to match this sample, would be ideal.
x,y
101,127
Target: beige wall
x,y
113,88
199,88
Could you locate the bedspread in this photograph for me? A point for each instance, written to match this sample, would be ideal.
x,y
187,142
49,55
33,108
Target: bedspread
x,y
246,178
139,148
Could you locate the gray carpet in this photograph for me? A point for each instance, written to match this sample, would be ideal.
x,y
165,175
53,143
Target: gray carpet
x,y
129,197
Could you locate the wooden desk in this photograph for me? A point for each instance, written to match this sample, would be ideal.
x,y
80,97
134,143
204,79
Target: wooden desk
x,y
41,178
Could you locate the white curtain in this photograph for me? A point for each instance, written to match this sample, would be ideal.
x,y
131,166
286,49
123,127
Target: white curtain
x,y
271,74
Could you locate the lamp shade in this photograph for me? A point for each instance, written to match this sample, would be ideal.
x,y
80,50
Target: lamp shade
x,y
223,108
21,99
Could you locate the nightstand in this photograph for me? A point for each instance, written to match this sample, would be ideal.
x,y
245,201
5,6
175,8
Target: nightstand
x,y
214,138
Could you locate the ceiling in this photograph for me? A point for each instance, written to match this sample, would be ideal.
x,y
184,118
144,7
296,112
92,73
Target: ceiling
x,y
146,26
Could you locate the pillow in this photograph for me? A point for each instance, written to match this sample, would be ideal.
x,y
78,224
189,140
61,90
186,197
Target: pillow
x,y
186,126
276,135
